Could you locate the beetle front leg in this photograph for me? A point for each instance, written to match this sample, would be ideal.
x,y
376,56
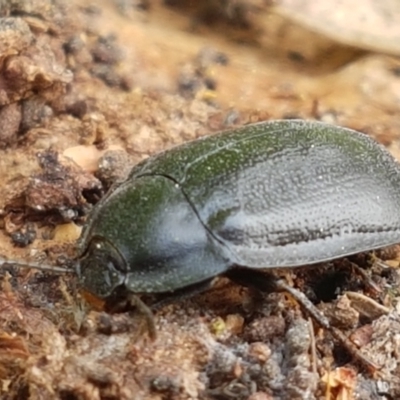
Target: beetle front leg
x,y
134,301
266,282
182,294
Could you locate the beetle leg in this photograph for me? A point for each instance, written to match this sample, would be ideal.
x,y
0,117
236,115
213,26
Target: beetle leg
x,y
313,311
263,282
268,283
366,279
182,294
134,301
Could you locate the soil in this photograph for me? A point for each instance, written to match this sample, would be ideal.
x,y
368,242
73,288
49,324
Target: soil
x,y
88,89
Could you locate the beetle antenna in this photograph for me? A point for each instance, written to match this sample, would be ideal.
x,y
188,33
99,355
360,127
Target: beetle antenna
x,y
23,264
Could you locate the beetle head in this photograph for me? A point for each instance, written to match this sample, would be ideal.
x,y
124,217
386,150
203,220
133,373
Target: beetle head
x,y
101,269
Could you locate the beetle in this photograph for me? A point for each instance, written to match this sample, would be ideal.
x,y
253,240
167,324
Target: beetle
x,y
284,193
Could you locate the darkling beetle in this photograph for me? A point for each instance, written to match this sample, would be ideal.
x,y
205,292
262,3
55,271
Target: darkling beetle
x,y
285,193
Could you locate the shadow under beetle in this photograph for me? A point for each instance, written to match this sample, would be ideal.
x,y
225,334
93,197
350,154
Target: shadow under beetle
x,y
284,193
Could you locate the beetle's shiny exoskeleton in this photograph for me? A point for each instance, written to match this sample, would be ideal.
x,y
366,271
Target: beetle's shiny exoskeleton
x,y
284,193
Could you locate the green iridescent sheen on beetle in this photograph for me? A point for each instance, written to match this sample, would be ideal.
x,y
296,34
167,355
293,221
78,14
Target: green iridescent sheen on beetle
x,y
274,194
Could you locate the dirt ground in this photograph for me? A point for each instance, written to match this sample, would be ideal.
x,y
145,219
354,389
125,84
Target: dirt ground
x,y
88,89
